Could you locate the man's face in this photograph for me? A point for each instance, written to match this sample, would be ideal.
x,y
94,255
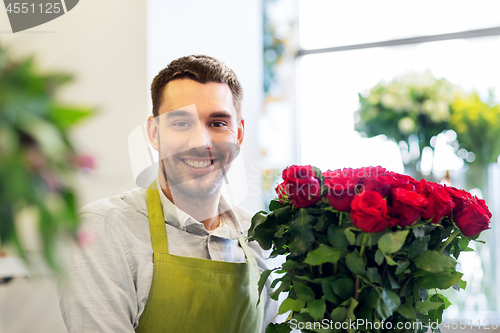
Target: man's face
x,y
198,134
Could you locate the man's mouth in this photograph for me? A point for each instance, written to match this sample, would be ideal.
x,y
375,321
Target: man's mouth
x,y
198,164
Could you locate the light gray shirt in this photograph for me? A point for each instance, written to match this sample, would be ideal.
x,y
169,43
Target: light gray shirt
x,y
106,280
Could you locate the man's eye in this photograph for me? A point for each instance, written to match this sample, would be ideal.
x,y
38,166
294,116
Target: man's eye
x,y
181,124
218,124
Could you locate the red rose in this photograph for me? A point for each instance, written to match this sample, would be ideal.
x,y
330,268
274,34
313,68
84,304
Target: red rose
x,y
301,185
407,206
369,172
369,212
404,181
340,192
440,201
379,183
459,197
473,218
374,179
281,191
330,173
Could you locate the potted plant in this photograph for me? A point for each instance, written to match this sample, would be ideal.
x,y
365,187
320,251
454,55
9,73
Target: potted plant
x,y
37,157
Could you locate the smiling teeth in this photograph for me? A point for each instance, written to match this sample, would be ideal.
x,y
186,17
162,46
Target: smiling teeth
x,y
198,164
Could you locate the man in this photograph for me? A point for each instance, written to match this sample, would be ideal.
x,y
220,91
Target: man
x,y
171,258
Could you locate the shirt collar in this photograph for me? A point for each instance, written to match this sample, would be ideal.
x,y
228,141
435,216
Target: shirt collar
x,y
229,226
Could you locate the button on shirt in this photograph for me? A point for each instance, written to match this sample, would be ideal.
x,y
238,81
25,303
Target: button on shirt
x,y
106,280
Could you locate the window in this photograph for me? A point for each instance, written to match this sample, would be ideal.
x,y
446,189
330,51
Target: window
x,y
329,81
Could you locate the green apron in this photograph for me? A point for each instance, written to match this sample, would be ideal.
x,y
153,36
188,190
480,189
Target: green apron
x,y
198,295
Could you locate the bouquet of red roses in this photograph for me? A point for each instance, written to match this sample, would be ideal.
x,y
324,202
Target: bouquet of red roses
x,y
367,250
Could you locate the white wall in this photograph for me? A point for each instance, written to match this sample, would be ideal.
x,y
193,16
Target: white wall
x,y
225,29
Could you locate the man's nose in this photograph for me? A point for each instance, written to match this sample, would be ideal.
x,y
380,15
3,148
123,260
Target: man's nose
x,y
199,137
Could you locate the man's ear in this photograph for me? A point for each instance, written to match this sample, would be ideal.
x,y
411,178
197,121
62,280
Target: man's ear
x,y
152,129
241,132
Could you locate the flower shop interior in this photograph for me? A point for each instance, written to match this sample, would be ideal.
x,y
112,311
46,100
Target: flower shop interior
x,y
411,87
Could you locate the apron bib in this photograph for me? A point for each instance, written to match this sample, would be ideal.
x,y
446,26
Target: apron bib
x,y
194,295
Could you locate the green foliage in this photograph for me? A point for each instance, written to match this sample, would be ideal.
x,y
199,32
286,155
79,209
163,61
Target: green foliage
x,y
335,271
477,124
415,103
36,154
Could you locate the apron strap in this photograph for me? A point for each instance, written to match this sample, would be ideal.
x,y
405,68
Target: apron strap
x,y
156,220
158,230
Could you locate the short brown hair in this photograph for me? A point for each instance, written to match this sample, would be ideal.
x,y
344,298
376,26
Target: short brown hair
x,y
200,68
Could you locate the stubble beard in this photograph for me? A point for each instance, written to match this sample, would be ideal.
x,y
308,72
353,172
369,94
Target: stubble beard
x,y
197,187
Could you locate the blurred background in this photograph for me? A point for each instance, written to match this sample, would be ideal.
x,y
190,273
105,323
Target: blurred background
x,y
409,86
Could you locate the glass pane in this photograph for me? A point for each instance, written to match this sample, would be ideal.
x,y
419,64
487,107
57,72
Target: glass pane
x,y
326,23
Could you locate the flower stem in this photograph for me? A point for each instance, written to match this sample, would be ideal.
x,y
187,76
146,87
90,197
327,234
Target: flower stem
x,y
356,294
450,239
341,216
363,244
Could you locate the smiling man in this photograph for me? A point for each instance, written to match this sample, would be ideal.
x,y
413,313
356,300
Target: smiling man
x,y
172,258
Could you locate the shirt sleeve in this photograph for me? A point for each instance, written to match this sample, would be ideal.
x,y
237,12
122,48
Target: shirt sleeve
x,y
271,306
96,287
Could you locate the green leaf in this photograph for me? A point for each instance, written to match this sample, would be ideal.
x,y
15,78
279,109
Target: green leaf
x,y
407,310
427,305
316,308
387,303
67,117
379,257
374,275
418,246
369,297
374,237
392,281
284,286
263,237
351,238
343,288
338,314
283,213
402,266
262,281
291,304
337,238
291,265
307,278
355,263
326,288
303,291
303,232
390,261
462,284
434,262
392,241
437,314
350,311
442,280
322,254
419,232
257,220
278,328
275,204
281,230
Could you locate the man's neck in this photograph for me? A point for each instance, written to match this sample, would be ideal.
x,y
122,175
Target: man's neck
x,y
203,209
